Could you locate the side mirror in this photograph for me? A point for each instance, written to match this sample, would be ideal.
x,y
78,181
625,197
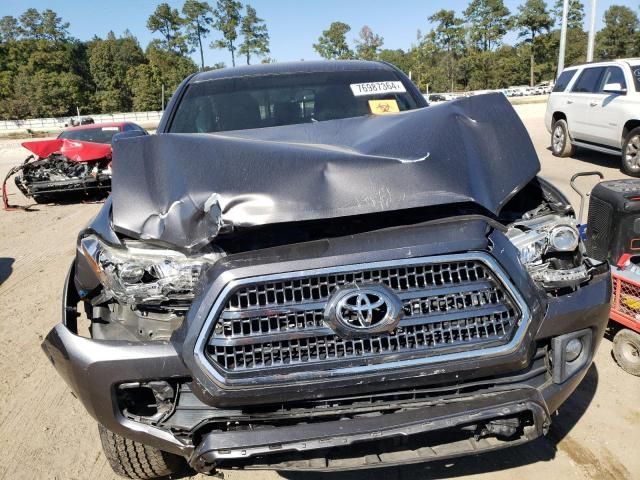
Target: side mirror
x,y
131,134
614,88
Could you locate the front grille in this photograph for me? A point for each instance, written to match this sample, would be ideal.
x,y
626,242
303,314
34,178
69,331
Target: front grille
x,y
449,305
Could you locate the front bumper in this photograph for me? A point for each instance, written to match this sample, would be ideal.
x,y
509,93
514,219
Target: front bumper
x,y
435,432
94,369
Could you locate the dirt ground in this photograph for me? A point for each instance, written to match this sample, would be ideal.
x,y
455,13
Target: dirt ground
x,y
45,433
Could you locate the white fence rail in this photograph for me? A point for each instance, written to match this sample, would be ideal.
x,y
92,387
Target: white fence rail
x,y
59,123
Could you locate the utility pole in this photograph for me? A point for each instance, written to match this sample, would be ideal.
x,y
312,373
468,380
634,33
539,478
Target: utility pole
x,y
163,97
563,36
592,31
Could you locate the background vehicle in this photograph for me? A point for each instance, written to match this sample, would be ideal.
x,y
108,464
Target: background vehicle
x,y
597,106
99,132
299,280
75,165
437,97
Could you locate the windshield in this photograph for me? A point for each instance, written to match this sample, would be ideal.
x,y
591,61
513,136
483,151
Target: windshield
x,y
275,100
97,135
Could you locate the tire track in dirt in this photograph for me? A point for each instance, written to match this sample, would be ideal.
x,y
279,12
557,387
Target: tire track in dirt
x,y
603,466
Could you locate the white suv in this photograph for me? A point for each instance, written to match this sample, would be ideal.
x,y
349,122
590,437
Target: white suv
x,y
597,106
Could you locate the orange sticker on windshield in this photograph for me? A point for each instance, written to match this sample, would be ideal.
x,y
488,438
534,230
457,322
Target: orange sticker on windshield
x,y
383,107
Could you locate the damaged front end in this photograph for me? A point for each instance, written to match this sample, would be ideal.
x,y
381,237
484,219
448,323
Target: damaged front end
x,y
318,297
60,170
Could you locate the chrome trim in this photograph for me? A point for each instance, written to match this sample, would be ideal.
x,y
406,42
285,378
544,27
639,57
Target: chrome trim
x,y
284,379
242,339
305,306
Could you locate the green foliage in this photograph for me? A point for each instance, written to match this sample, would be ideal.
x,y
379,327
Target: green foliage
x,y
164,67
227,20
533,18
619,37
368,45
9,29
575,17
45,72
255,34
489,22
42,70
332,44
168,22
109,62
197,20
448,36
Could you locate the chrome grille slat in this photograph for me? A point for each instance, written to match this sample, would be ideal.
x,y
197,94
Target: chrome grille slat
x,y
325,331
265,327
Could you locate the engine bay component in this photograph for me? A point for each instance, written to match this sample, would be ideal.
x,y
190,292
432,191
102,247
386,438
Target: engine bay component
x,y
549,247
60,169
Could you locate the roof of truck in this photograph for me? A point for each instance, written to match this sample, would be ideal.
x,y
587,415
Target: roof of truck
x,y
290,67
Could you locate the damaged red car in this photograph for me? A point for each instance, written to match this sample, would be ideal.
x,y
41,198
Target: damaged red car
x,y
75,165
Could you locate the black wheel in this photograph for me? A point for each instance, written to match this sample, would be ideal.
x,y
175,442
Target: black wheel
x,y
631,153
560,141
134,460
626,350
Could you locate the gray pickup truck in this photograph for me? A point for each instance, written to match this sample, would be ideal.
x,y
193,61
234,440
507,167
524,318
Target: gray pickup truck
x,y
308,268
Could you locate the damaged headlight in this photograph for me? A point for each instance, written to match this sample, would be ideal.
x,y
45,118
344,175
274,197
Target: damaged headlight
x,y
140,274
550,249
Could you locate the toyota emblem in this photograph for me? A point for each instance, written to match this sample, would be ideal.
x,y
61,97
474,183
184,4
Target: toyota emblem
x,y
359,310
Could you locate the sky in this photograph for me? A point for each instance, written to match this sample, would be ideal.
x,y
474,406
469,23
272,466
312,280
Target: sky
x,y
293,25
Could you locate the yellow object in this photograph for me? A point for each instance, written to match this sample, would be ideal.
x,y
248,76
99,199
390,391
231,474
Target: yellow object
x,y
630,302
383,107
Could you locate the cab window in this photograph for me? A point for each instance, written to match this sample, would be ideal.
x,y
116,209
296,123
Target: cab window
x,y
589,80
563,80
275,100
612,75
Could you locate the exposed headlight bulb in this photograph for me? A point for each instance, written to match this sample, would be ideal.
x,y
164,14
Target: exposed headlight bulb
x,y
564,238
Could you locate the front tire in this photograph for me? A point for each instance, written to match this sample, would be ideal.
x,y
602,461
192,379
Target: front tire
x,y
131,459
631,153
626,350
561,145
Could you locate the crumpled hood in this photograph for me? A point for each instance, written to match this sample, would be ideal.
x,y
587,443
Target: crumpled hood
x,y
74,150
470,150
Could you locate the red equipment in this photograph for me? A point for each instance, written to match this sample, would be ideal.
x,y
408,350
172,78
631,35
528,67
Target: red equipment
x,y
613,220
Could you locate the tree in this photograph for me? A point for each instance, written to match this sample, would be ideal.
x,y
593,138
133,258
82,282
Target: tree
x,y
31,24
489,22
197,18
164,67
168,22
398,57
332,44
43,72
449,36
52,27
369,44
532,19
109,62
227,20
575,17
9,30
619,37
255,35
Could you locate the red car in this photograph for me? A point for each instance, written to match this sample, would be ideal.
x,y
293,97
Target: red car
x,y
77,164
99,132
